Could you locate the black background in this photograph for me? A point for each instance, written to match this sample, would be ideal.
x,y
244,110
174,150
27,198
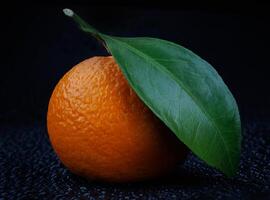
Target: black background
x,y
39,45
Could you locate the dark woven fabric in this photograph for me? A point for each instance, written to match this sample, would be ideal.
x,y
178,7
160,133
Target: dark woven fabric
x,y
29,169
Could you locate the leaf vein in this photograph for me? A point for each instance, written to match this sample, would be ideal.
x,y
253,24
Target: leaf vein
x,y
162,68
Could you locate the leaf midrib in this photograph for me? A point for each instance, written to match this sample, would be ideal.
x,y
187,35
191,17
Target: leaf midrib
x,y
162,68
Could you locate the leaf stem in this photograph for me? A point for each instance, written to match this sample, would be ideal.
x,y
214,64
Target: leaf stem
x,y
84,26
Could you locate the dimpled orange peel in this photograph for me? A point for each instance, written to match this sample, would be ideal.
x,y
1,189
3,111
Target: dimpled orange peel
x,y
101,130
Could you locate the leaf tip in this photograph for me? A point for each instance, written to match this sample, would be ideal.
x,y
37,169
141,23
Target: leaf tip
x,y
231,172
68,12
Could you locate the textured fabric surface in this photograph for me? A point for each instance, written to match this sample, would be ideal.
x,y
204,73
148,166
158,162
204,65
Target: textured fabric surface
x,y
29,169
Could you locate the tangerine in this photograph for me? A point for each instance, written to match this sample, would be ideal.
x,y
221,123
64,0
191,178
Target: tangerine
x,y
100,129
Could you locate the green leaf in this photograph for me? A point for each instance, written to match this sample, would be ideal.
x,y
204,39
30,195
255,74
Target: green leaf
x,y
184,91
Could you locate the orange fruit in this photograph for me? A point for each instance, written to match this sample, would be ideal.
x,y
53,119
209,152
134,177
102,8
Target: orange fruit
x,y
101,130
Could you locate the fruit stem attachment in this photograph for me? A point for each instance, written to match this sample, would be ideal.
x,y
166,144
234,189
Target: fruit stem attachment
x,y
84,26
